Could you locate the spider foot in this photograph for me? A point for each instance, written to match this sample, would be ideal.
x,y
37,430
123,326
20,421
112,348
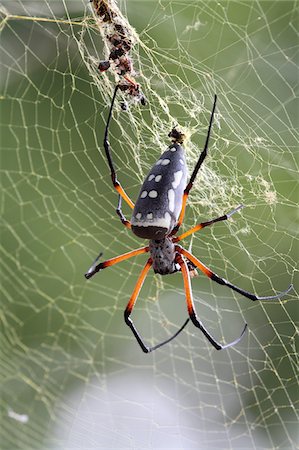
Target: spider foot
x,y
94,268
208,335
280,294
231,344
238,208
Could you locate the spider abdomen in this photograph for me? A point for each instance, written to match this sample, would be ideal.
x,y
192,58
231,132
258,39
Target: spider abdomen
x,y
160,199
163,256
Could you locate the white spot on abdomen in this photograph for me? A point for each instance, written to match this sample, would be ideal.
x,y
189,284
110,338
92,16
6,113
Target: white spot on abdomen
x,y
151,177
153,194
171,197
143,194
138,216
149,216
167,217
172,149
177,178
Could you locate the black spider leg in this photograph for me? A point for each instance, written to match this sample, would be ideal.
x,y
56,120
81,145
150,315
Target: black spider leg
x,y
213,276
119,212
201,159
131,305
191,309
139,339
115,181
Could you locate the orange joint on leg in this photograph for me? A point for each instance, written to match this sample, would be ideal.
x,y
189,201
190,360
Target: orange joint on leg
x,y
127,224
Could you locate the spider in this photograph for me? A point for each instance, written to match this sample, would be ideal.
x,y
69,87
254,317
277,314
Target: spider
x,y
157,215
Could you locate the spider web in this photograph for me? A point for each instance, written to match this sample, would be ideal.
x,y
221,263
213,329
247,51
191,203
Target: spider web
x,y
72,373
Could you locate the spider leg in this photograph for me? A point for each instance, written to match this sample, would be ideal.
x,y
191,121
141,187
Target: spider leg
x,y
110,262
119,212
131,305
206,224
191,309
213,276
201,159
115,181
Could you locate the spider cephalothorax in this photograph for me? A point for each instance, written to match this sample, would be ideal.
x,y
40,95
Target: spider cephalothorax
x,y
157,215
163,256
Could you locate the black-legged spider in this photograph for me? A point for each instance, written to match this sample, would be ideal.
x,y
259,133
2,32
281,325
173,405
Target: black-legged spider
x,y
157,215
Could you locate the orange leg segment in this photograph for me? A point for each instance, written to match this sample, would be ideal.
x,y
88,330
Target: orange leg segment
x,y
110,262
187,233
123,194
137,288
182,213
187,284
206,224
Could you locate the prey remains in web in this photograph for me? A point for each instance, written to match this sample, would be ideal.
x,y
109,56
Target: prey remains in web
x,y
157,216
119,40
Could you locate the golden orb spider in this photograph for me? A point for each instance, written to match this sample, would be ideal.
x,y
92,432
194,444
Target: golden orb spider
x,y
157,215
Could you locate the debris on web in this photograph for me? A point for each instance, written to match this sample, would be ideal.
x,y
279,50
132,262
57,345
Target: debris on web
x,y
119,39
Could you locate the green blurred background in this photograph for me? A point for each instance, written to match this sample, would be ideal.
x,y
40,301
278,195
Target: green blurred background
x,y
72,374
